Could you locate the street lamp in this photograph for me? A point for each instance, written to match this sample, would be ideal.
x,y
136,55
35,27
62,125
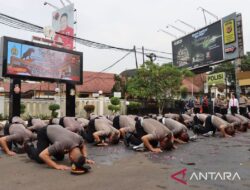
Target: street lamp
x,y
160,30
57,90
208,12
100,92
189,25
53,6
180,30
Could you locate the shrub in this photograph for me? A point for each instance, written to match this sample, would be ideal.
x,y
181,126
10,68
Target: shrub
x,y
114,108
22,108
134,105
115,101
53,108
89,108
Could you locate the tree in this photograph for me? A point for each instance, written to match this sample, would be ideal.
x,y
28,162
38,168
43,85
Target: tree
x,y
159,82
229,69
183,92
245,62
119,85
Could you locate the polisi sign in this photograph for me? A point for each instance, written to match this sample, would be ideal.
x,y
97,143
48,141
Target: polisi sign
x,y
217,78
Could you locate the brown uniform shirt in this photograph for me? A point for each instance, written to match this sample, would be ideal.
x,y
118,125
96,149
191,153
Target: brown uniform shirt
x,y
172,116
71,124
37,124
232,119
218,122
84,122
127,123
242,118
18,133
155,129
104,127
201,117
174,126
62,139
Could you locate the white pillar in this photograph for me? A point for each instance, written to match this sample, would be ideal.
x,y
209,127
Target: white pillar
x,y
2,105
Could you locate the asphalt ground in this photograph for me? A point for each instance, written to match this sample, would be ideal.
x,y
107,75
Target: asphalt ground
x,y
118,168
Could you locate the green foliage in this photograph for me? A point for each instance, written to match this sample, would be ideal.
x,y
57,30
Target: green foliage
x,y
43,116
114,108
134,105
26,117
228,68
115,104
53,108
115,101
245,63
159,82
89,108
22,108
3,117
119,85
184,92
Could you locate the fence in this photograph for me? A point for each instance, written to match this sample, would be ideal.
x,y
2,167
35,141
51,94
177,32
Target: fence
x,y
37,107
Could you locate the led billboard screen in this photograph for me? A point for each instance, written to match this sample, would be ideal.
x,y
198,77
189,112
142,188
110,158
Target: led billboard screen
x,y
28,60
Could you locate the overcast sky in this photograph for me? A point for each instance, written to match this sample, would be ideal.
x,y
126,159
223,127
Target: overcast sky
x,y
125,23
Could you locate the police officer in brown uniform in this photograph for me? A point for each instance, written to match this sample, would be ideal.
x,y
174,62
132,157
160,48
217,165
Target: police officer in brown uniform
x,y
244,120
236,122
104,128
178,129
35,124
15,132
54,140
71,124
124,123
150,132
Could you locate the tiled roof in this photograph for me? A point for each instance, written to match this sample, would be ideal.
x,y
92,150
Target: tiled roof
x,y
198,83
92,82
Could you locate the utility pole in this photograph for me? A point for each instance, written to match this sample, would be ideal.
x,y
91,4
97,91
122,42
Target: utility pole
x,y
136,62
143,55
237,64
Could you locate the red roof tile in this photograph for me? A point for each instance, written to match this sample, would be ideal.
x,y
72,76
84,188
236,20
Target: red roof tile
x,y
92,82
198,83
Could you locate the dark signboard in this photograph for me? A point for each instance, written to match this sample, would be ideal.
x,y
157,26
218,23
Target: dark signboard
x,y
200,48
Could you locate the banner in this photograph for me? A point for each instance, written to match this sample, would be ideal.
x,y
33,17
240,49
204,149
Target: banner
x,y
231,47
217,78
215,43
63,23
200,48
229,31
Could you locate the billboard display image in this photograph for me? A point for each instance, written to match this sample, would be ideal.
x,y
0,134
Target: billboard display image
x,y
200,48
36,61
63,23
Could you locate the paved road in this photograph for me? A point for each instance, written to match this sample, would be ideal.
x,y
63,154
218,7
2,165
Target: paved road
x,y
117,168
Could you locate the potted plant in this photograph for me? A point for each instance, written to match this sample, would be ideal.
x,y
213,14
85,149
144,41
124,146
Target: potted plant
x,y
53,108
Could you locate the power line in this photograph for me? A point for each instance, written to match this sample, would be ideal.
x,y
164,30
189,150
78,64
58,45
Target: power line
x,y
20,24
156,51
23,25
123,57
